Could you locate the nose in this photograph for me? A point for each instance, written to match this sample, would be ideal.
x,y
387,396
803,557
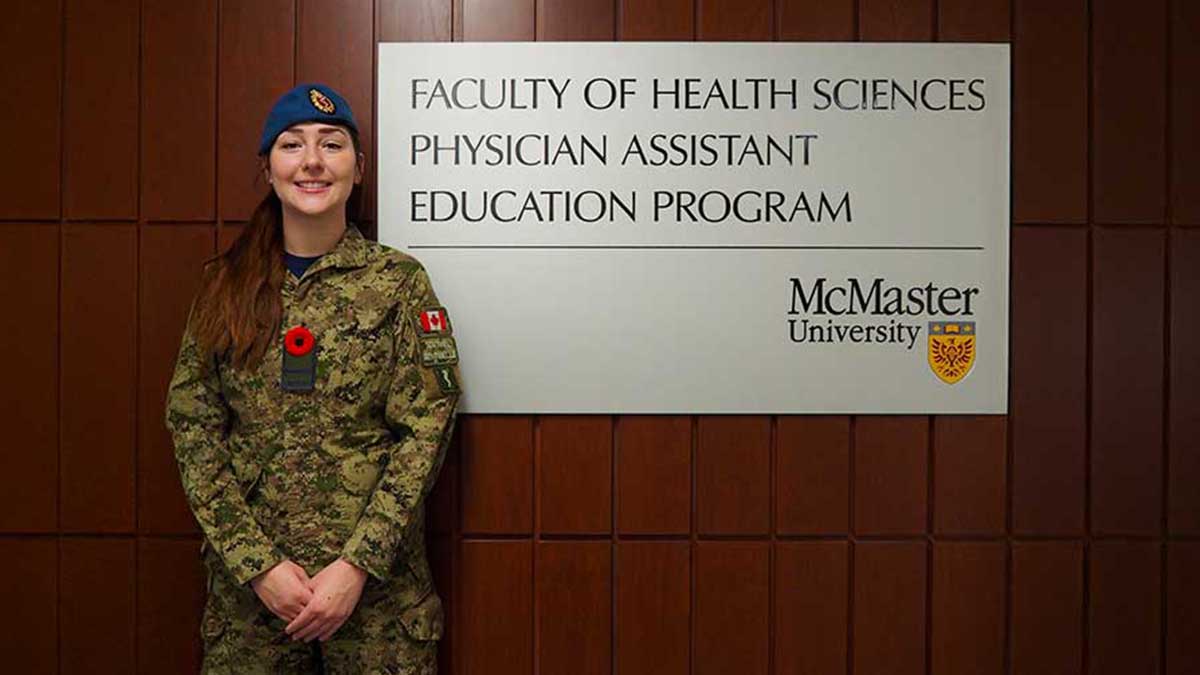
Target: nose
x,y
312,159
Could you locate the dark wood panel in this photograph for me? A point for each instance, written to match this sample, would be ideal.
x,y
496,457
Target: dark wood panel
x,y
1047,608
738,20
814,475
654,474
574,596
816,20
575,486
257,47
891,463
414,20
1050,115
496,474
653,607
1049,380
179,109
733,475
1128,132
1183,607
98,622
335,45
31,594
99,367
30,74
889,608
575,20
169,269
484,20
973,20
969,465
227,234
968,608
495,620
1184,433
29,393
1127,381
170,600
903,20
100,111
1124,611
811,607
1185,109
657,20
731,622
442,551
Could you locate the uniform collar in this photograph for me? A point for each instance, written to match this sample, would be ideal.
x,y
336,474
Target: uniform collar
x,y
349,252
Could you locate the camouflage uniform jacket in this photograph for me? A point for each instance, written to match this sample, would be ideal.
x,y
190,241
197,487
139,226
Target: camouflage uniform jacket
x,y
338,471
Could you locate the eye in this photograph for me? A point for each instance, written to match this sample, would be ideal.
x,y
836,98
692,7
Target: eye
x,y
333,145
289,145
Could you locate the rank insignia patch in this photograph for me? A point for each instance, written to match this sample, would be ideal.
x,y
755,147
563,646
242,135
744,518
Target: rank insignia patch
x,y
433,320
951,349
437,350
321,101
447,381
299,371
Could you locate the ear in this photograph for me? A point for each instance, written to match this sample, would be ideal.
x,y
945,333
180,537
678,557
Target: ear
x,y
360,168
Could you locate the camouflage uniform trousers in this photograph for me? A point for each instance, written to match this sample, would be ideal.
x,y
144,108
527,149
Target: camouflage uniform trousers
x,y
242,636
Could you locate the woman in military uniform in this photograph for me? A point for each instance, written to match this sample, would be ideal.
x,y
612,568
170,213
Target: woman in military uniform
x,y
311,404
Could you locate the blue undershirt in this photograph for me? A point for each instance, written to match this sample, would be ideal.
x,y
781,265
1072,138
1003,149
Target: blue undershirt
x,y
298,264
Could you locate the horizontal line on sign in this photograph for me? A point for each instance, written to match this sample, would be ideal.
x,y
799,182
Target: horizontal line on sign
x,y
704,248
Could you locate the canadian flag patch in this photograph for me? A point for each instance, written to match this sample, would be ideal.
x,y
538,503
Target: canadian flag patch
x,y
434,320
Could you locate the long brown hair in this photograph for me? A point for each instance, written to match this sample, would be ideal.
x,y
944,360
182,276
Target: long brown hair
x,y
239,307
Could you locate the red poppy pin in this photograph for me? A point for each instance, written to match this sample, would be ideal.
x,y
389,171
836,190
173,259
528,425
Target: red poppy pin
x,y
298,341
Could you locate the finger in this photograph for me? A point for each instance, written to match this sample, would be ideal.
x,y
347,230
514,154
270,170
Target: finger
x,y
312,630
330,631
302,620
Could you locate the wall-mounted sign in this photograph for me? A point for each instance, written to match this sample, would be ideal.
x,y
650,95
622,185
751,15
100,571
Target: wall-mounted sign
x,y
708,227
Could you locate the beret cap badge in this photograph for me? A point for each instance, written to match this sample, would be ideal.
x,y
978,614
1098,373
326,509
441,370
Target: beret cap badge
x,y
321,101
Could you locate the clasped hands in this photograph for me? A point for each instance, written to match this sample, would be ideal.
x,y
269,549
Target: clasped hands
x,y
314,607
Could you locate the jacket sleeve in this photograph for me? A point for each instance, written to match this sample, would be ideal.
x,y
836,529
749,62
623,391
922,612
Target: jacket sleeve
x,y
197,417
420,410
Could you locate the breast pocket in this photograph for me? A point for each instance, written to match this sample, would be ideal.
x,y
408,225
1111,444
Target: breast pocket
x,y
362,351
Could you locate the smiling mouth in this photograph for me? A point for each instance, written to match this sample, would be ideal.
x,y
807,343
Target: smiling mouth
x,y
313,185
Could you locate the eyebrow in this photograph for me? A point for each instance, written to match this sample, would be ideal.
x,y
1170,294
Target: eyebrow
x,y
322,130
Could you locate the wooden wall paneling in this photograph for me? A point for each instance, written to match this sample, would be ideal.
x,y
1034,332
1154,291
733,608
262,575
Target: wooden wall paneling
x,y
31,58
1124,608
574,613
170,600
170,261
1050,115
31,591
889,607
413,20
1049,380
441,506
816,20
653,609
654,474
496,474
813,485
99,369
29,394
226,234
895,20
1185,109
335,45
487,21
891,463
732,608
974,20
656,20
1127,381
1183,508
99,620
736,20
811,607
257,63
576,19
495,610
575,483
1128,130
1046,612
969,594
1183,607
179,110
970,455
442,550
100,110
733,475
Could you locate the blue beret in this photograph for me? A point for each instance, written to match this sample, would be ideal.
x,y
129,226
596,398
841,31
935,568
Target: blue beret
x,y
305,103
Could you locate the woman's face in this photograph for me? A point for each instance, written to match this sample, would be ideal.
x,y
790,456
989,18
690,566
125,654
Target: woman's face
x,y
313,168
